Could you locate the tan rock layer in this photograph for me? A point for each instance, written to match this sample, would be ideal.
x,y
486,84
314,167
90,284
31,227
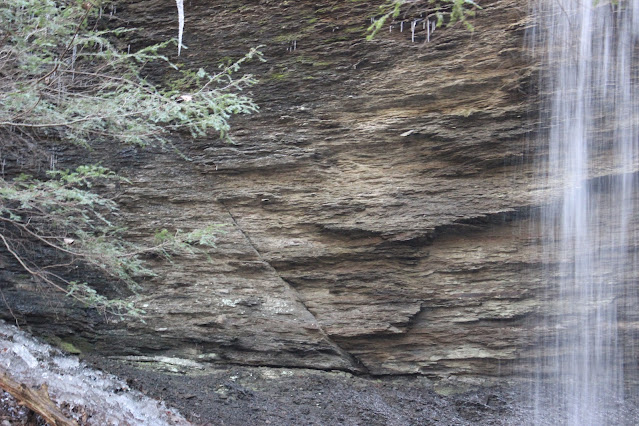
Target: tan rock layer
x,y
376,209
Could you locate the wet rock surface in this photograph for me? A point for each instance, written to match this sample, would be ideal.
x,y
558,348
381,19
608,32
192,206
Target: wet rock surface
x,y
376,214
368,210
378,218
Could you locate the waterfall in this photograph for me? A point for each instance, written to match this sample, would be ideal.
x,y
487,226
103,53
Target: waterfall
x,y
589,133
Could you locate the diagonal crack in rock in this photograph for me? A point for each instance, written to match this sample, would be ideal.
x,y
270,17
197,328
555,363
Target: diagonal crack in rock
x,y
294,295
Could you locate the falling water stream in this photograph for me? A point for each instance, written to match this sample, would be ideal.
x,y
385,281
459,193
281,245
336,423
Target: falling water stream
x,y
589,118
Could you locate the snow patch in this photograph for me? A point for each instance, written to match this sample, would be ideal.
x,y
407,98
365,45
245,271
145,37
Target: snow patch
x,y
105,399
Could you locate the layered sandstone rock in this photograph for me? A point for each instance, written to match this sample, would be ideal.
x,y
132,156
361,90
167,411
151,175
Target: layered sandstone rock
x,y
373,210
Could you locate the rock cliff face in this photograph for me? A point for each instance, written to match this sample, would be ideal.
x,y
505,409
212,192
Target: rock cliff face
x,y
375,210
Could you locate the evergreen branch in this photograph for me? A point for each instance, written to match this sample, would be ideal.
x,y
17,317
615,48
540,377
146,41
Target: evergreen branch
x,y
22,263
68,47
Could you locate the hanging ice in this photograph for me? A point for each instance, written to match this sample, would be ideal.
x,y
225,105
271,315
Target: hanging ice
x,y
180,8
74,56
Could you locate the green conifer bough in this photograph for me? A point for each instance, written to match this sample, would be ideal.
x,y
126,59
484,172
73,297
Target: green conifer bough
x,y
67,79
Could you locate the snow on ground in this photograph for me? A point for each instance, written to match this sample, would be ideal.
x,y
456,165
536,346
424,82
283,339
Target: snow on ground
x,y
88,395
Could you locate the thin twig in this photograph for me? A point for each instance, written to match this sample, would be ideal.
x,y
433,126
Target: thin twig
x,y
32,272
66,50
39,237
110,77
6,36
30,109
10,310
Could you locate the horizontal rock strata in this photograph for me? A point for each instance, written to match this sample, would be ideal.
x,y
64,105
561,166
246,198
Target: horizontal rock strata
x,y
376,211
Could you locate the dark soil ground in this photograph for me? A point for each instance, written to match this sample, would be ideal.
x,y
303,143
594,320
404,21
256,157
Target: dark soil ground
x,y
246,396
279,396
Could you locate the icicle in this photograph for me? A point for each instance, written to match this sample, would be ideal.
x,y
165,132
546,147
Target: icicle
x,y
390,29
54,76
412,31
424,25
128,49
73,58
180,7
428,32
294,45
401,27
434,26
100,14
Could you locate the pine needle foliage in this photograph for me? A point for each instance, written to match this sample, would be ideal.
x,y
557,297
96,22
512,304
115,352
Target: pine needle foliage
x,y
64,78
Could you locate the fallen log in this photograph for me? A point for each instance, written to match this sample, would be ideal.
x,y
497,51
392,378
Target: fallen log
x,y
37,400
